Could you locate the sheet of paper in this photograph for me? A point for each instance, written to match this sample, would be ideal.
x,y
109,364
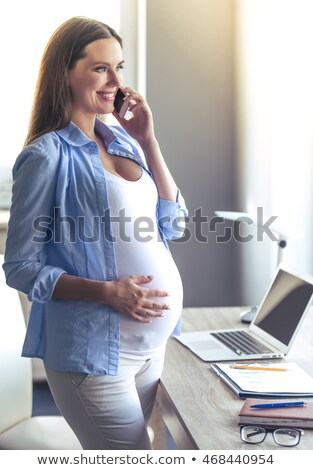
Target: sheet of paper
x,y
294,380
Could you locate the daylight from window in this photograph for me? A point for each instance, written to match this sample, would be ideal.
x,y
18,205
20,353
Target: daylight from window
x,y
24,32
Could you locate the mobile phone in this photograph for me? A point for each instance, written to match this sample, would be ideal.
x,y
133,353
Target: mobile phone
x,y
120,105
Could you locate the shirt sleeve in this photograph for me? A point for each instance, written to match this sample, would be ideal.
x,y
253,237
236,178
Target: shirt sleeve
x,y
34,183
171,217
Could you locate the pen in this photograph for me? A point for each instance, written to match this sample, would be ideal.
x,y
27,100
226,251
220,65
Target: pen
x,y
278,369
278,405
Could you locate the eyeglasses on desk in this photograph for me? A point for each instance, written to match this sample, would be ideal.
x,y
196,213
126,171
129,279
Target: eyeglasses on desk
x,y
287,437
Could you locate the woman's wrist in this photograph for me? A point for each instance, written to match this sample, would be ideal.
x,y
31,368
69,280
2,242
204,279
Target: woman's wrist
x,y
98,291
163,179
106,291
149,145
71,287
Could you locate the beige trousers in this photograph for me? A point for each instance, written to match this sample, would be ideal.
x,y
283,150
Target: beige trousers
x,y
109,412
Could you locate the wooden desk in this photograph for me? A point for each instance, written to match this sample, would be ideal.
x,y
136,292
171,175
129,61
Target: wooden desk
x,y
199,410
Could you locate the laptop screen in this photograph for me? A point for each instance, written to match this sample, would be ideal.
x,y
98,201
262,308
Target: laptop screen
x,y
284,306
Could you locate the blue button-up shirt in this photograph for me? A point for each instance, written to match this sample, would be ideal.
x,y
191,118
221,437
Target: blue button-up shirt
x,y
59,223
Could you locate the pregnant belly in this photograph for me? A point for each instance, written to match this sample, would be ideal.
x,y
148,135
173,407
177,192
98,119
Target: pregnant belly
x,y
138,338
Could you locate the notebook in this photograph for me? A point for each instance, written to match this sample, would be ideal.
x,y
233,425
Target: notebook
x,y
273,330
297,416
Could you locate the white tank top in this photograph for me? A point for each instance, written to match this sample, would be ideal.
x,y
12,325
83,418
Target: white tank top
x,y
139,250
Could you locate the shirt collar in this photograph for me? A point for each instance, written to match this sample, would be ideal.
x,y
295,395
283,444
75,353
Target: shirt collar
x,y
74,136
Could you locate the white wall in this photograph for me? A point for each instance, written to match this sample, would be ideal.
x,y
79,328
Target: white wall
x,y
191,90
275,130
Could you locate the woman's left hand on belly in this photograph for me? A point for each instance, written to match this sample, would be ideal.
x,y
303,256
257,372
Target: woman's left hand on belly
x,y
127,296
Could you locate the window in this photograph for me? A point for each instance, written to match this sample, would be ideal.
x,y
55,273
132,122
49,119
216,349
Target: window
x,y
26,28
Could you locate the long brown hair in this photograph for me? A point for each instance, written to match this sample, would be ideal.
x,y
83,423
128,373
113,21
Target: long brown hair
x,y
52,101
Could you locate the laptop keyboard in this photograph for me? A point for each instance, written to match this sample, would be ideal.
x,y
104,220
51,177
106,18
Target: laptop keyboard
x,y
241,343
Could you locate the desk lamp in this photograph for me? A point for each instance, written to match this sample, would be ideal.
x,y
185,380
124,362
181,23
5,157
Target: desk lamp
x,y
281,234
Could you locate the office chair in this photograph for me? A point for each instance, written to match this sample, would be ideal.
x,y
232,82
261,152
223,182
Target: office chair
x,y
18,429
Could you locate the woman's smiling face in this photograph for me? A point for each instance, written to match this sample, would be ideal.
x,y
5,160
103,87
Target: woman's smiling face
x,y
95,78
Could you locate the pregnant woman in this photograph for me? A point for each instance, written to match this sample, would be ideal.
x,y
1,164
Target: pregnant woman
x,y
92,208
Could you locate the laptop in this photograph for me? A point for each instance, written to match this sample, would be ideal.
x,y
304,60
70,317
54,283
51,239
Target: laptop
x,y
272,331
